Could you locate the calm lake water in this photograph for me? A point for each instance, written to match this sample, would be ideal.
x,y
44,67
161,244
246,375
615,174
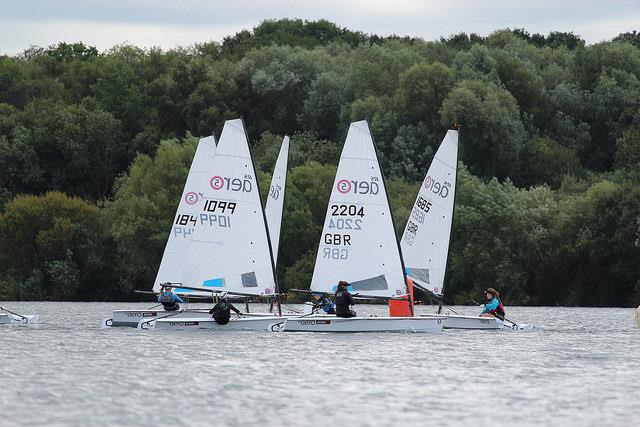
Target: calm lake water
x,y
580,367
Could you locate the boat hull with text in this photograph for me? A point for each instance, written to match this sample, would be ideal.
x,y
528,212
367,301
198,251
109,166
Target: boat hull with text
x,y
365,324
243,323
131,318
457,321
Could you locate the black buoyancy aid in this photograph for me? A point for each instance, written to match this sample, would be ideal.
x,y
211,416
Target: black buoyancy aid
x,y
343,299
221,313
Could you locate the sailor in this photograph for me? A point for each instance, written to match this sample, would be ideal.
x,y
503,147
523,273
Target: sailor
x,y
344,300
323,302
221,312
494,307
168,299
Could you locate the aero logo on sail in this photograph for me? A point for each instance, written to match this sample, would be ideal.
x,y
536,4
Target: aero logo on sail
x,y
435,187
191,198
234,184
345,186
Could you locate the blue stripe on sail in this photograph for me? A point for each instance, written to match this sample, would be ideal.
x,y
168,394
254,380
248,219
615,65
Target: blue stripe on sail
x,y
407,271
349,288
182,291
213,283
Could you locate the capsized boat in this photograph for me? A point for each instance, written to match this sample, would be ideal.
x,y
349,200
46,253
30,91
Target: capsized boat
x,y
230,251
425,241
359,245
10,318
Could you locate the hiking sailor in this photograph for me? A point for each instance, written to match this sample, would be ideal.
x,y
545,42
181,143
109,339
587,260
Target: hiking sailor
x,y
494,307
323,302
344,300
168,299
221,312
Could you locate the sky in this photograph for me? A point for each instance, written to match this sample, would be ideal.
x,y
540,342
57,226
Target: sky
x,y
167,24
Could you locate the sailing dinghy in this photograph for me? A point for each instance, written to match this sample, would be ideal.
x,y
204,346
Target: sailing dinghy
x,y
10,318
230,252
425,241
172,266
201,164
359,245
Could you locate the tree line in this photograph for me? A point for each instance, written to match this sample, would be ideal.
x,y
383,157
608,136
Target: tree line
x,y
95,147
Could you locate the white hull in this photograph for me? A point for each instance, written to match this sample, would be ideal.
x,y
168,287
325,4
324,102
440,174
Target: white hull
x,y
131,318
455,321
10,319
468,322
256,323
365,324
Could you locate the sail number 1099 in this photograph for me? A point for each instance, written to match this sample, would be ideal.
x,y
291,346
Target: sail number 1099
x,y
347,210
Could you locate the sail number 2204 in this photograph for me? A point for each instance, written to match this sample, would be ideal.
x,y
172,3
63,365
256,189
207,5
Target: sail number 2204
x,y
347,210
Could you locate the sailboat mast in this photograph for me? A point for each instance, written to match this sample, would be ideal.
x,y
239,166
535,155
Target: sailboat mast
x,y
395,232
453,213
264,218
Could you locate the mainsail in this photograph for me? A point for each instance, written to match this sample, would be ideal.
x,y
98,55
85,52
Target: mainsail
x,y
275,199
176,252
229,249
358,241
425,242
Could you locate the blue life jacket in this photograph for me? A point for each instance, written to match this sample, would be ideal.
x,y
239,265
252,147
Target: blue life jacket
x,y
327,305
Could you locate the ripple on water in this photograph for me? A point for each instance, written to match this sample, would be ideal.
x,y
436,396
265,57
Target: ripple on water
x,y
578,368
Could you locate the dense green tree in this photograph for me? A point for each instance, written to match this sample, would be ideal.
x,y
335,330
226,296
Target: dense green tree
x,y
322,108
593,60
79,146
523,82
547,162
628,148
145,202
547,210
421,90
492,130
410,153
52,249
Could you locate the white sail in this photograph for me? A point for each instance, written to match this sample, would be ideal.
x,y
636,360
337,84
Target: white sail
x,y
275,199
358,242
176,252
229,250
425,242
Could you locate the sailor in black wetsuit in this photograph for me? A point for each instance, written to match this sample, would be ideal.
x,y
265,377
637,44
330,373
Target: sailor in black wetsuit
x,y
221,312
344,300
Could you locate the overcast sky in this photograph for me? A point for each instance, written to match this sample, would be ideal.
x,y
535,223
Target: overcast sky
x,y
147,23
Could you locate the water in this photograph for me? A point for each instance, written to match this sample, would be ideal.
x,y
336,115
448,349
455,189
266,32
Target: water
x,y
579,368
